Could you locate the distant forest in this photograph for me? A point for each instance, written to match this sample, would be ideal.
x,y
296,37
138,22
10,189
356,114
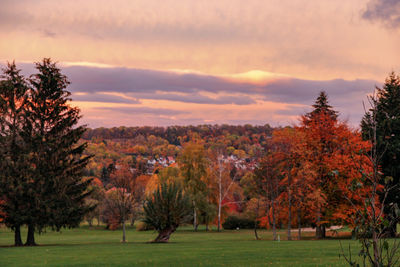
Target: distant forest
x,y
175,134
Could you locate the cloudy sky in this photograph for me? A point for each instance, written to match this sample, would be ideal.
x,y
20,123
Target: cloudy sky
x,y
169,62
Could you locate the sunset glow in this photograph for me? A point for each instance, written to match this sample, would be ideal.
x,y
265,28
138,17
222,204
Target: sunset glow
x,y
168,62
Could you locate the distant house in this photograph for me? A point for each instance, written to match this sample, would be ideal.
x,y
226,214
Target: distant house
x,y
171,160
151,162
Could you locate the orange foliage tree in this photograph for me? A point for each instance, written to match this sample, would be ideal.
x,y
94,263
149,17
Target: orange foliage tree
x,y
120,198
318,165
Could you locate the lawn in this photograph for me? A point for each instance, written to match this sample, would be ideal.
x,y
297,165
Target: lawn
x,y
98,247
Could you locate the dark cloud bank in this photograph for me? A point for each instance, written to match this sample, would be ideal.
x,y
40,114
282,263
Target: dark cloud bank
x,y
384,11
133,85
163,85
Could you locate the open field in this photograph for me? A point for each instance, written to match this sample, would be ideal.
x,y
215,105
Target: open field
x,y
98,247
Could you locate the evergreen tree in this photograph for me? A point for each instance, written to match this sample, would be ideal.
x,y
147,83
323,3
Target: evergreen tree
x,y
13,150
387,136
56,193
322,106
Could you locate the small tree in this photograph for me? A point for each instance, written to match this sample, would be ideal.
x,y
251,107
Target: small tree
x,y
193,164
123,181
166,209
221,180
268,177
254,191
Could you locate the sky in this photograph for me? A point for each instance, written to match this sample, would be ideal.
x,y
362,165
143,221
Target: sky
x,y
174,62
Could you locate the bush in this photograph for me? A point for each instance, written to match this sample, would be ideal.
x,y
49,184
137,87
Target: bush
x,y
166,209
142,226
233,222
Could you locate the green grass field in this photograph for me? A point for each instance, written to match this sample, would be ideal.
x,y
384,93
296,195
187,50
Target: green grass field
x,y
98,247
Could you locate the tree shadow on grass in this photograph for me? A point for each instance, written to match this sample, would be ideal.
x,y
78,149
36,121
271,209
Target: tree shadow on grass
x,y
92,244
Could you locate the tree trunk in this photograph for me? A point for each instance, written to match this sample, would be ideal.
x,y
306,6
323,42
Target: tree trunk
x,y
123,231
320,229
269,217
164,235
219,206
392,231
299,223
17,236
255,219
289,227
30,240
375,247
194,216
273,221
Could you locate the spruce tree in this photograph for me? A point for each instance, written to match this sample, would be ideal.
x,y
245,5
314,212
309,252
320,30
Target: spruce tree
x,y
56,193
13,150
321,106
388,137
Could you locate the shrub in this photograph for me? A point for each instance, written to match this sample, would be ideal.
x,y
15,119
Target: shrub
x,y
233,222
166,209
142,226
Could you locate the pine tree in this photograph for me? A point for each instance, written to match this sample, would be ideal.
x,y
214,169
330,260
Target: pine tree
x,y
387,135
13,150
56,193
322,106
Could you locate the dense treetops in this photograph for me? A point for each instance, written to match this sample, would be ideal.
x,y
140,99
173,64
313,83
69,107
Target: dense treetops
x,y
174,134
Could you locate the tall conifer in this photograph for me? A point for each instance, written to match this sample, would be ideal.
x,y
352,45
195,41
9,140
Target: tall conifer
x,y
387,137
13,151
57,191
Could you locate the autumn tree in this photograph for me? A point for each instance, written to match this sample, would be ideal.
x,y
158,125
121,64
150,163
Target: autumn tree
x,y
299,193
319,128
222,183
193,165
123,180
253,189
288,156
95,199
268,177
166,209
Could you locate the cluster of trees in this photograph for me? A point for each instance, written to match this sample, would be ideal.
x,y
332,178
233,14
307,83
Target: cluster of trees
x,y
313,165
312,174
176,135
41,161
